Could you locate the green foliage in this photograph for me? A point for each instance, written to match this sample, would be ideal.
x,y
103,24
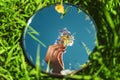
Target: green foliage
x,y
104,61
38,63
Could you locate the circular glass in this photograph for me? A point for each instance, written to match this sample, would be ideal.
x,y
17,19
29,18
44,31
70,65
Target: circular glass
x,y
62,36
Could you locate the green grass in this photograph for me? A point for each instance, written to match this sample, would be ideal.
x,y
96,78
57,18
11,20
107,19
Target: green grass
x,y
32,33
104,61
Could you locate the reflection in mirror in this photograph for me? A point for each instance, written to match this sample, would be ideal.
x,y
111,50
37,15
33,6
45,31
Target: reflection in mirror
x,y
66,35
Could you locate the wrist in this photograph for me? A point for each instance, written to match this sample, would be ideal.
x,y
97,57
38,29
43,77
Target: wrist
x,y
57,69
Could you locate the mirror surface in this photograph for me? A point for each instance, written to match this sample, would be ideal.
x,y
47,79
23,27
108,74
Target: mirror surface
x,y
48,22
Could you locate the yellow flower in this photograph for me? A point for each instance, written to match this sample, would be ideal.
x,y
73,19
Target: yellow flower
x,y
65,40
60,8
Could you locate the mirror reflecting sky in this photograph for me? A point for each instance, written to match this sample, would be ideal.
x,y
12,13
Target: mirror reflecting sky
x,y
47,22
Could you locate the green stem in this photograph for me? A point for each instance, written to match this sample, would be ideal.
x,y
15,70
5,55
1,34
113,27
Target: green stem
x,y
111,23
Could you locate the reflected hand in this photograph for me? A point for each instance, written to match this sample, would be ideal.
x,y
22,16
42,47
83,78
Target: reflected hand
x,y
54,55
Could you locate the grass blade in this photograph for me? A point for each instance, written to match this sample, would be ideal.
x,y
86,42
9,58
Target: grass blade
x,y
86,48
38,63
33,31
48,67
41,43
24,67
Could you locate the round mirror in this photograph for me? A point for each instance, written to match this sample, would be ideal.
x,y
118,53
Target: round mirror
x,y
61,36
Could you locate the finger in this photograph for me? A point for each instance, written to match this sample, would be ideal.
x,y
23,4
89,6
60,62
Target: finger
x,y
57,47
49,53
53,51
60,58
56,60
55,54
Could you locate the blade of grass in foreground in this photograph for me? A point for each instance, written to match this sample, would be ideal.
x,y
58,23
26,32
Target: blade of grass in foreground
x,y
24,66
10,53
78,77
82,77
38,63
48,66
112,25
7,76
4,76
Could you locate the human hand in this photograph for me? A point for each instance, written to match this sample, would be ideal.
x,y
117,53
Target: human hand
x,y
54,55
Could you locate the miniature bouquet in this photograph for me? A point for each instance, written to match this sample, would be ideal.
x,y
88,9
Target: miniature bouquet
x,y
65,38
